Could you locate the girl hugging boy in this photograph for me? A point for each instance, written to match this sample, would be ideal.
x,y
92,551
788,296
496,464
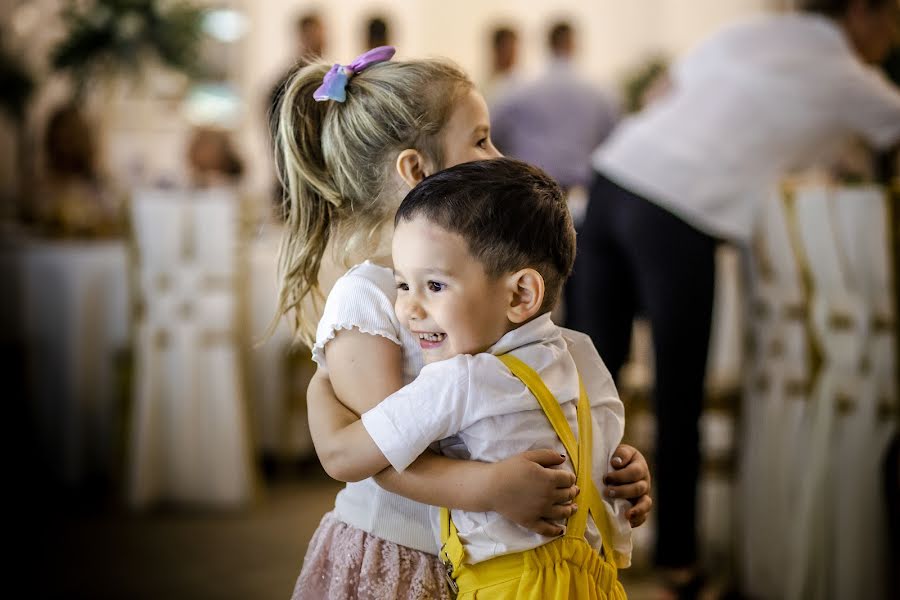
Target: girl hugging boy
x,y
480,254
352,140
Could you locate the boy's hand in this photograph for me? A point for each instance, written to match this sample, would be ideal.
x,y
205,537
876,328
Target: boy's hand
x,y
630,479
528,493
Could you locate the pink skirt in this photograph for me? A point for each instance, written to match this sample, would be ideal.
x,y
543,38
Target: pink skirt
x,y
344,563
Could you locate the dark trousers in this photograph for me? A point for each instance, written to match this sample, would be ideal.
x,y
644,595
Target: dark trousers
x,y
634,256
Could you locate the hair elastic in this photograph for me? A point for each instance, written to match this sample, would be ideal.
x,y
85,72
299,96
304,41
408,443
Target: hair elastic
x,y
334,84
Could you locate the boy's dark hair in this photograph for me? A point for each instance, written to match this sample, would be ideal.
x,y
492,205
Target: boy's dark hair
x,y
511,214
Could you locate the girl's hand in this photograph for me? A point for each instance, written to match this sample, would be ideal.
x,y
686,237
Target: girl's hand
x,y
528,493
630,479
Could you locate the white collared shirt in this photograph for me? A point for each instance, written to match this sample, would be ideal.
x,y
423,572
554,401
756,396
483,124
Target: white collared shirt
x,y
481,411
748,104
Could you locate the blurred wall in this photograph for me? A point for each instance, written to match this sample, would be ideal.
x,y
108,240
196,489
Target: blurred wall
x,y
614,35
145,128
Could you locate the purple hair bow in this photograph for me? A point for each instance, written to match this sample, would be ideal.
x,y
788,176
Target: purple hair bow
x,y
334,85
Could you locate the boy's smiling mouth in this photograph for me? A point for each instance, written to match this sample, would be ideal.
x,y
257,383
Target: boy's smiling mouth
x,y
429,340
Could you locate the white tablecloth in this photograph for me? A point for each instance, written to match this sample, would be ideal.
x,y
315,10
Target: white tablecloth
x,y
68,306
70,315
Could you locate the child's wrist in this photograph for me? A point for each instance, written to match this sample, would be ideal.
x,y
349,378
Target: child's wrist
x,y
493,479
484,486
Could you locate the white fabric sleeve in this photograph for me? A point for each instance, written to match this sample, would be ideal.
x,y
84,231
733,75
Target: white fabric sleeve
x,y
872,106
360,302
598,382
700,58
434,406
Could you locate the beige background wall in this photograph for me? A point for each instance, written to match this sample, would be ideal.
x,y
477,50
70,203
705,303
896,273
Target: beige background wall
x,y
146,130
614,36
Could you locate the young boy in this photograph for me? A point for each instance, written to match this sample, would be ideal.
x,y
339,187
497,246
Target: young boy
x,y
480,252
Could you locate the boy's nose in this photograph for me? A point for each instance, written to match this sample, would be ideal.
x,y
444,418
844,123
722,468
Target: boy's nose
x,y
411,309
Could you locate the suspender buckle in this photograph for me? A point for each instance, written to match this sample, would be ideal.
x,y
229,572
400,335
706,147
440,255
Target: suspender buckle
x,y
448,571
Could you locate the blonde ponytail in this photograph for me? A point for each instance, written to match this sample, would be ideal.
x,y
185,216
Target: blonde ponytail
x,y
310,198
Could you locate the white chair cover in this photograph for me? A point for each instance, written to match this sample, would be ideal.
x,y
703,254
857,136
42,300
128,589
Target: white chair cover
x,y
839,323
189,439
828,540
67,304
774,401
865,432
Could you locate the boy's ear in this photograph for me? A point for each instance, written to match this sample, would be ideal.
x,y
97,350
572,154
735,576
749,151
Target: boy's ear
x,y
527,295
411,166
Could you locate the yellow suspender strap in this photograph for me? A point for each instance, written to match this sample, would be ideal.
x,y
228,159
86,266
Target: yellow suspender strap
x,y
589,497
452,551
550,405
557,419
595,500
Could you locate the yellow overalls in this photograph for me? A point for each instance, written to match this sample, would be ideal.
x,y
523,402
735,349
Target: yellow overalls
x,y
567,567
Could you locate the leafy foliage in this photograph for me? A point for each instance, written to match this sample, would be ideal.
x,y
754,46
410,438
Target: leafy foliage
x,y
108,37
640,78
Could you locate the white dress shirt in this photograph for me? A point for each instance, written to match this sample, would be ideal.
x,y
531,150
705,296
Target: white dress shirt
x,y
490,415
753,101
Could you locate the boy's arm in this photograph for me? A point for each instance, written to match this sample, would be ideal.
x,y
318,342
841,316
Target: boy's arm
x,y
364,370
522,488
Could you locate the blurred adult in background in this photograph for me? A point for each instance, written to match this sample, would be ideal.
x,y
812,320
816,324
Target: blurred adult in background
x,y
750,102
309,45
504,58
557,120
377,33
309,39
72,198
212,158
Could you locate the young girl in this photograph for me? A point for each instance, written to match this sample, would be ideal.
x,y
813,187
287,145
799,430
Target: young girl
x,y
346,163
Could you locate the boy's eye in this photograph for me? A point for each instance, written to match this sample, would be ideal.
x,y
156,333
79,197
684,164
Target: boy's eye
x,y
482,143
435,286
402,286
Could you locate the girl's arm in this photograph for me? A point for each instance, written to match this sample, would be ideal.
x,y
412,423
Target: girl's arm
x,y
363,369
345,448
630,478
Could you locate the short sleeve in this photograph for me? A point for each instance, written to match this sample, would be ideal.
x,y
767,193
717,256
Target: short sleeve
x,y
362,299
598,381
434,406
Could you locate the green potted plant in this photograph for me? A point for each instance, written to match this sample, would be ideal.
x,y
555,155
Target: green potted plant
x,y
109,38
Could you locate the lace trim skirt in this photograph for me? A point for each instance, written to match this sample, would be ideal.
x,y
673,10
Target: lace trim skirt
x,y
344,563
